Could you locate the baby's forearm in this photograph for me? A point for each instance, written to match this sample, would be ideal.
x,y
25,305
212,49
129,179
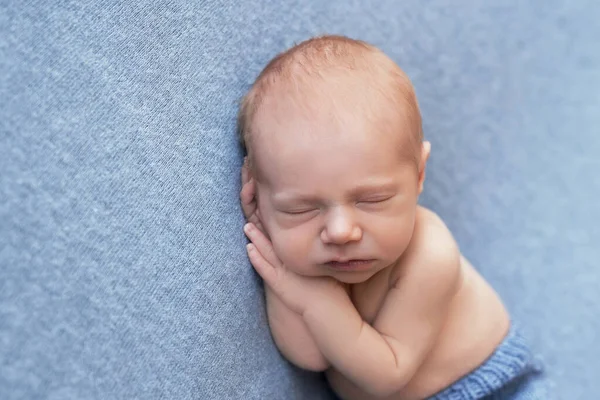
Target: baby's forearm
x,y
292,337
356,349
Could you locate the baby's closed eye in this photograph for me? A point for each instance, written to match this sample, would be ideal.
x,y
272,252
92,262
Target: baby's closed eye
x,y
375,202
375,199
302,211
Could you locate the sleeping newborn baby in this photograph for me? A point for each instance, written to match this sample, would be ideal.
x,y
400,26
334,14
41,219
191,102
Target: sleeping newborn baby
x,y
361,282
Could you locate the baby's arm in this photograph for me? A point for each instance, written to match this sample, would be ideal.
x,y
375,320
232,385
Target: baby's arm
x,y
384,357
378,359
292,337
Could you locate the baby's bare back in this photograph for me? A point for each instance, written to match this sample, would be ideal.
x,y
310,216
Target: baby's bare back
x,y
476,324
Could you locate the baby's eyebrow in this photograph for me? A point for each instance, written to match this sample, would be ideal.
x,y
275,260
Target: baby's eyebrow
x,y
379,187
362,189
286,197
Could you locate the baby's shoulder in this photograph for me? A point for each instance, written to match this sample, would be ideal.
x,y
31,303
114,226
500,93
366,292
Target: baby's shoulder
x,y
432,249
431,234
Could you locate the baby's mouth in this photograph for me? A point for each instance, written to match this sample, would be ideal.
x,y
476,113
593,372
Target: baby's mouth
x,y
350,264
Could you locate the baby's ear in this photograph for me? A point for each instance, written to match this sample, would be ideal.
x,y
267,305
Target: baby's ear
x,y
425,151
246,173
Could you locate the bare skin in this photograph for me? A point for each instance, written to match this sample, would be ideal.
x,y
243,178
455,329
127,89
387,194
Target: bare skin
x,y
470,327
476,322
361,282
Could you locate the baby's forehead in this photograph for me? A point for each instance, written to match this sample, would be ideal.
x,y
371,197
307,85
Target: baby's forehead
x,y
307,131
300,148
310,166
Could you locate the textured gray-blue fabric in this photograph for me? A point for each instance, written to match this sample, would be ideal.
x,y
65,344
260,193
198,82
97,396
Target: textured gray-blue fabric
x,y
123,273
512,372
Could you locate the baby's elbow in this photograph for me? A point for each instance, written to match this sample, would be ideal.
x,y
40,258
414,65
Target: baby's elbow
x,y
311,362
392,382
385,390
315,365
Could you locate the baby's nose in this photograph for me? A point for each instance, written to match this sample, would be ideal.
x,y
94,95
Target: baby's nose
x,y
340,228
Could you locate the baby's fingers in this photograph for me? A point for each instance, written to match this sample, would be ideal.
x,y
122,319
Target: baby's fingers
x,y
264,269
262,244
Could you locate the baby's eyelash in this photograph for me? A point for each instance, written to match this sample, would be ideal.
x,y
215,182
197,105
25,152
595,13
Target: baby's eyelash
x,y
298,212
375,200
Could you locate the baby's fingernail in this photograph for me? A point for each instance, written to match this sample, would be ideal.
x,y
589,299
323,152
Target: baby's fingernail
x,y
247,228
249,247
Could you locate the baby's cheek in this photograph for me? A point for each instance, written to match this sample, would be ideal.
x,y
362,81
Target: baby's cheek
x,y
396,236
281,247
291,250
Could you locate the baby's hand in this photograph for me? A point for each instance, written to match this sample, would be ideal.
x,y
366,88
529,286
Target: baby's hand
x,y
248,198
298,293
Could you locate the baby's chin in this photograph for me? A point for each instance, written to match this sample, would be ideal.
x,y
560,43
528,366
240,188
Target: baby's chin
x,y
353,278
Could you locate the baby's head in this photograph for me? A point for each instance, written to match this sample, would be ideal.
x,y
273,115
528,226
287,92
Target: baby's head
x,y
334,141
340,80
